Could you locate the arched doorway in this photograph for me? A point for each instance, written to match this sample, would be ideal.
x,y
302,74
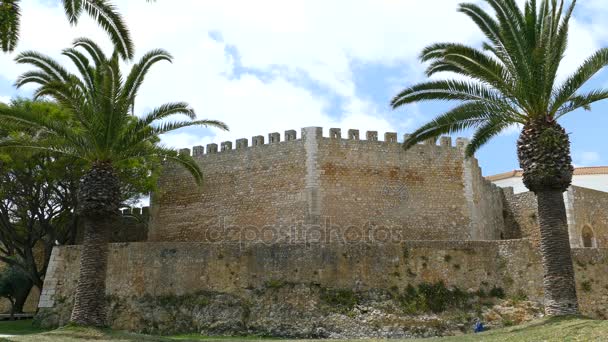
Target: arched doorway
x,y
588,237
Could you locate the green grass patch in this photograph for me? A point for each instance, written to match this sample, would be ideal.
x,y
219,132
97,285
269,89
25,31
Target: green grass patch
x,y
549,329
21,327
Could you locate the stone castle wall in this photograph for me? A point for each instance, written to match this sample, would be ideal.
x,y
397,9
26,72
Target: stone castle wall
x,y
486,204
588,211
521,215
132,226
252,285
328,189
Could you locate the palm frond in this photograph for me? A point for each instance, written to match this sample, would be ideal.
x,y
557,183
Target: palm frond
x,y
108,18
464,116
485,133
82,63
585,72
172,126
447,90
167,110
184,160
10,21
582,101
139,71
92,49
469,62
45,63
73,9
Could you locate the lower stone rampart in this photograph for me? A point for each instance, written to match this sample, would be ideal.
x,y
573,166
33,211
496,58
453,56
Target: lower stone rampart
x,y
307,290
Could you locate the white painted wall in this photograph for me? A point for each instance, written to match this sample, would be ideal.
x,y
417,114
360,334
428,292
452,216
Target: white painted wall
x,y
596,182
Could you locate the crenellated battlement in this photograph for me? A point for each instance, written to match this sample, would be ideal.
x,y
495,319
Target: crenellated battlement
x,y
135,211
291,136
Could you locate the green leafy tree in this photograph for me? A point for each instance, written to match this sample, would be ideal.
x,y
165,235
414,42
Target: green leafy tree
x,y
14,286
101,10
513,80
107,138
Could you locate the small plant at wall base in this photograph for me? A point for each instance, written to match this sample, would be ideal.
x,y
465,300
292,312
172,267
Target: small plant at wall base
x,y
586,286
513,81
105,136
344,300
434,298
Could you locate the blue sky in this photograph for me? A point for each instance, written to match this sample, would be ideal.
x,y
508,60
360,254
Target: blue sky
x,y
274,65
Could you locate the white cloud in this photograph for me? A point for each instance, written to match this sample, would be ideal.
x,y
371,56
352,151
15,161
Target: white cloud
x,y
317,38
588,158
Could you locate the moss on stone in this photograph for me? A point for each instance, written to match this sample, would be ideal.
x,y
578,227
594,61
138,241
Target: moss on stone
x,y
586,286
343,300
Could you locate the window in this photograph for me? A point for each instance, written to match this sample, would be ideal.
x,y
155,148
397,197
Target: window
x,y
588,238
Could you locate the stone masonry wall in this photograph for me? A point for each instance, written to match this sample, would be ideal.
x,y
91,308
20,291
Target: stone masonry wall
x,y
521,216
485,202
144,278
245,188
589,210
131,226
328,189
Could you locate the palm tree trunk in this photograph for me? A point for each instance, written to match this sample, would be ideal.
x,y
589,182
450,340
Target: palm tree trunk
x,y
558,282
544,154
99,199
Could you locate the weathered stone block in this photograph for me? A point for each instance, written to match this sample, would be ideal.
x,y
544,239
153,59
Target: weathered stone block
x,y
335,133
445,141
226,146
198,151
257,141
390,137
211,148
274,138
431,141
290,135
462,142
353,134
242,144
312,132
372,136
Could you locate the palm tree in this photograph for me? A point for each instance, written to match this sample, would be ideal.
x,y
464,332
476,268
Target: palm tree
x,y
106,136
513,80
101,10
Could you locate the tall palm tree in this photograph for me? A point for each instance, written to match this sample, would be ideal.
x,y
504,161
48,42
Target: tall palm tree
x,y
102,11
513,80
106,136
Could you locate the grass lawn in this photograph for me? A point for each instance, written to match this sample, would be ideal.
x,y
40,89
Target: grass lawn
x,y
21,327
563,329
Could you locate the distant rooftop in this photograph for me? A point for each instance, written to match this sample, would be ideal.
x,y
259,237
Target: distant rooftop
x,y
579,171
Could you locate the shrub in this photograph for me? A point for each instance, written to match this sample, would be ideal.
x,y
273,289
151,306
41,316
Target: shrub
x,y
275,284
519,296
342,299
12,281
586,286
497,292
432,297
